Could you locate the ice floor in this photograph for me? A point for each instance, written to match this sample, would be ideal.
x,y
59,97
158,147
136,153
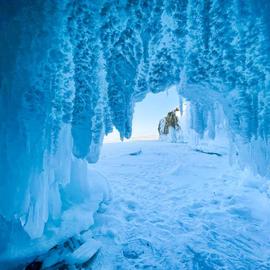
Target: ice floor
x,y
175,208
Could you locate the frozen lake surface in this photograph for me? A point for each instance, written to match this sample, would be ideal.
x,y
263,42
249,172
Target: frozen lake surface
x,y
177,208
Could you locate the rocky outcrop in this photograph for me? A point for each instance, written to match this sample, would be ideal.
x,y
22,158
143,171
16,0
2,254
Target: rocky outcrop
x,y
169,128
77,252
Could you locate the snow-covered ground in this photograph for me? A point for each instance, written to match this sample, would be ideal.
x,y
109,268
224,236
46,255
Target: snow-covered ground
x,y
177,208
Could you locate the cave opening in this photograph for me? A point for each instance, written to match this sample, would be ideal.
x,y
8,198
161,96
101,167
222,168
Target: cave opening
x,y
147,115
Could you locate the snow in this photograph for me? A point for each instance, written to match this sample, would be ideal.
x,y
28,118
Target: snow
x,y
176,208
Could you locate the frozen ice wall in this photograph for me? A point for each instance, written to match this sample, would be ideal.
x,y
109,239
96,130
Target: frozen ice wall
x,y
54,113
71,70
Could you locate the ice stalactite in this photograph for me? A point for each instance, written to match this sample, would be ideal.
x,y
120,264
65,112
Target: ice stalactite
x,y
47,98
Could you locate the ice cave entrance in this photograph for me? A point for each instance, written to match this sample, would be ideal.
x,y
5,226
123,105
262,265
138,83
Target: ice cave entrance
x,y
147,115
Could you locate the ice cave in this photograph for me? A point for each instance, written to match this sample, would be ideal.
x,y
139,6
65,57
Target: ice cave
x,y
75,72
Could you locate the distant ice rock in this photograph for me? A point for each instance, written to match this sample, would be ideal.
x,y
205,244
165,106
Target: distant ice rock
x,y
169,127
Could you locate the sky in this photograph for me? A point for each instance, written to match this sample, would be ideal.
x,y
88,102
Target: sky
x,y
148,113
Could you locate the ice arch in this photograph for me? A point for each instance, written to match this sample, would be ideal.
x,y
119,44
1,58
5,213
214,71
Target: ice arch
x,y
71,70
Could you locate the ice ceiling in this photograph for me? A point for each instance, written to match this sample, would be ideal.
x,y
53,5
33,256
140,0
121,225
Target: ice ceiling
x,y
71,70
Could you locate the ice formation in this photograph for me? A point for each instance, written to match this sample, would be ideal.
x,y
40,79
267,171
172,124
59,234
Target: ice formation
x,y
71,70
169,127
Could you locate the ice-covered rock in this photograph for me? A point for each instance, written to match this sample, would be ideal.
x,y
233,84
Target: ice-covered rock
x,y
74,252
85,252
169,128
